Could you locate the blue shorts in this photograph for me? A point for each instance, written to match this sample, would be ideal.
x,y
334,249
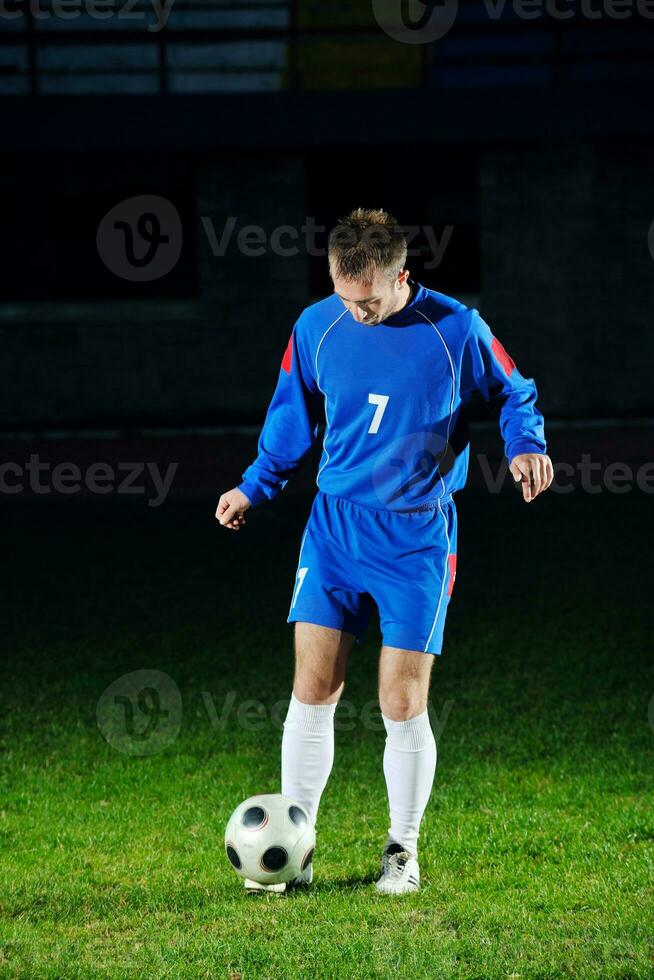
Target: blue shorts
x,y
353,556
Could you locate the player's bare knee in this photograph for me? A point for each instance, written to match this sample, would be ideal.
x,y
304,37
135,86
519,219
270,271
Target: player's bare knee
x,y
312,690
317,680
401,708
403,696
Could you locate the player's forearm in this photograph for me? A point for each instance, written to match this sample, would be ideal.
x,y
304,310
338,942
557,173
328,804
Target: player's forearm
x,y
290,428
488,368
521,424
282,447
261,483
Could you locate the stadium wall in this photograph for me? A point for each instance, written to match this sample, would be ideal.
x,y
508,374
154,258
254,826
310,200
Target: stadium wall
x,y
567,283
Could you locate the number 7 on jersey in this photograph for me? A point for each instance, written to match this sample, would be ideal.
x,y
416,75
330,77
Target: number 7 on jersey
x,y
381,401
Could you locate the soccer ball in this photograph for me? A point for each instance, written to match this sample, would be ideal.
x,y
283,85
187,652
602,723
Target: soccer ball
x,y
269,839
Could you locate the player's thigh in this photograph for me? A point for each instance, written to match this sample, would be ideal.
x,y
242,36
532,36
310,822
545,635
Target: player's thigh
x,y
403,682
321,655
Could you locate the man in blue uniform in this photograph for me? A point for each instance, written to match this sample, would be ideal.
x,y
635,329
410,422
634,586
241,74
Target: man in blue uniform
x,y
391,367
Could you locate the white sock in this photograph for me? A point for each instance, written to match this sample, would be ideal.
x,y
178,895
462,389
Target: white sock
x,y
409,768
307,752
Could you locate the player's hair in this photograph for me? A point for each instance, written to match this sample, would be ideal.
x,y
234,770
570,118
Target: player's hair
x,y
366,241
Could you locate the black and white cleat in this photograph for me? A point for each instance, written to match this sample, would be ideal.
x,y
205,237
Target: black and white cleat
x,y
400,873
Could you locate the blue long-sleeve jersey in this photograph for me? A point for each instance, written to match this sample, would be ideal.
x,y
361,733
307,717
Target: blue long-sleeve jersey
x,y
394,399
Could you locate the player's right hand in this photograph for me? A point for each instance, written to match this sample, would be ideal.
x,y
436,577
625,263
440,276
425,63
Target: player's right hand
x,y
231,509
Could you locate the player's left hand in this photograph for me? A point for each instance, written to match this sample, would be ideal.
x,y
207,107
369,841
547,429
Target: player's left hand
x,y
534,471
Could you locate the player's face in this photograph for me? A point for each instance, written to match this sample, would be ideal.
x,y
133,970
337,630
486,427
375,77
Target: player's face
x,y
371,302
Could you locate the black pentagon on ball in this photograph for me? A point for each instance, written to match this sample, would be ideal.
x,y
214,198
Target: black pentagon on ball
x,y
274,859
254,816
233,856
298,816
307,859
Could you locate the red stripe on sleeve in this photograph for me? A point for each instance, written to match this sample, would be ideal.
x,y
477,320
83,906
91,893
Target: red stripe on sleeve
x,y
507,362
287,360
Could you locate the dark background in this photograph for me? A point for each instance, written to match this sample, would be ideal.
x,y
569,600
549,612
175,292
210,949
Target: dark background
x,y
531,139
529,143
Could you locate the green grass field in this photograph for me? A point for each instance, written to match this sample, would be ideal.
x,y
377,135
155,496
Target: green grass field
x,y
537,850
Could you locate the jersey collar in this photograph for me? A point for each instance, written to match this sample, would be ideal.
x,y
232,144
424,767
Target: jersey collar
x,y
419,293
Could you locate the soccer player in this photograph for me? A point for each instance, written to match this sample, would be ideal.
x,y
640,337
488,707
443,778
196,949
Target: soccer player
x,y
391,366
